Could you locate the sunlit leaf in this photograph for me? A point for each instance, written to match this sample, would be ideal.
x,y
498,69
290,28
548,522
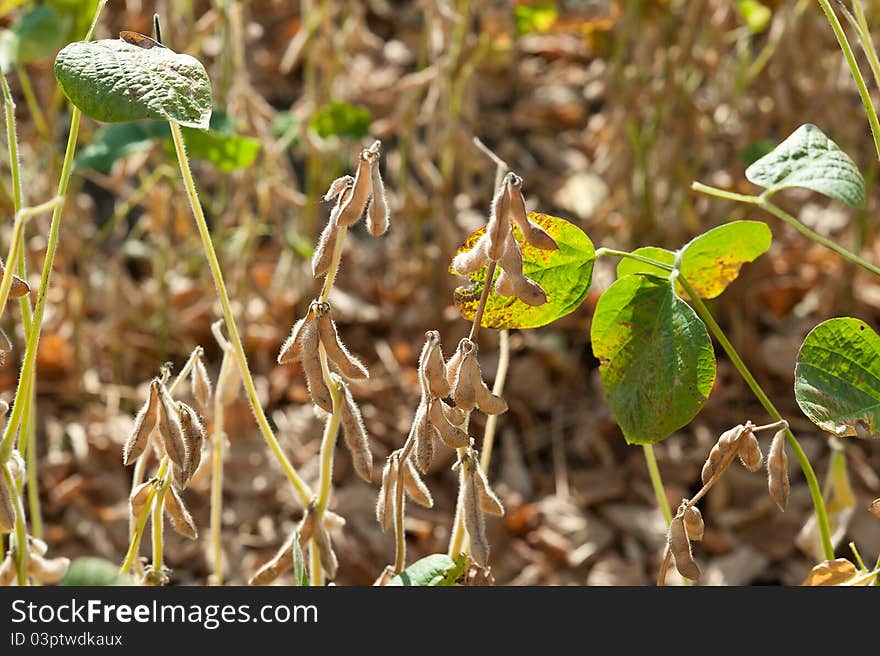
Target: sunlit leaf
x,y
837,376
755,15
656,358
343,120
90,571
115,81
809,159
531,18
565,274
712,261
628,266
433,570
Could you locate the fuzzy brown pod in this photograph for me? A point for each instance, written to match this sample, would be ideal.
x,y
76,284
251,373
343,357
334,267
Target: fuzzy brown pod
x,y
47,570
144,423
228,381
348,365
200,382
19,287
276,566
181,520
385,500
464,391
533,234
433,367
355,434
750,453
16,466
451,435
693,524
471,261
726,444
472,511
7,508
486,401
338,186
680,548
323,255
777,472
512,281
415,487
455,416
138,498
498,227
423,434
311,366
194,436
7,570
353,207
378,217
489,501
171,435
321,540
292,346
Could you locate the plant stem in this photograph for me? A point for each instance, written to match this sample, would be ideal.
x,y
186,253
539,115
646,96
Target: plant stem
x,y
218,449
301,487
815,236
21,545
399,531
497,390
809,474
633,256
316,570
861,24
723,193
484,296
328,446
135,542
856,73
657,482
159,528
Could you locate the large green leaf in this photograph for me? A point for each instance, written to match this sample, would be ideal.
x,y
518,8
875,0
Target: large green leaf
x,y
219,145
628,266
115,81
837,377
433,570
809,159
565,274
343,120
712,261
34,36
90,571
656,358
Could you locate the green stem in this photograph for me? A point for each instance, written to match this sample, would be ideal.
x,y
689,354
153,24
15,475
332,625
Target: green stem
x,y
723,193
632,256
856,73
328,444
21,545
861,24
135,541
159,529
217,453
809,474
497,390
657,483
301,487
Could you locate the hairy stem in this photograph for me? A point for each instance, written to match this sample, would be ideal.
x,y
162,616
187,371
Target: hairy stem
x,y
657,482
21,545
301,487
218,448
141,523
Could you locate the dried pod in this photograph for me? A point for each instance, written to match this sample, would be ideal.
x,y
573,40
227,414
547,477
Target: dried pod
x,y
472,512
19,287
7,508
144,423
181,520
280,563
37,546
423,434
171,433
490,403
377,212
693,523
355,433
529,292
138,498
498,227
353,207
452,366
513,281
194,437
680,547
338,186
533,233
433,367
474,259
228,381
292,346
5,345
453,436
348,365
504,285
464,391
321,539
200,383
728,441
456,416
311,366
874,508
323,255
385,501
489,501
415,487
750,453
16,466
47,570
7,570
777,472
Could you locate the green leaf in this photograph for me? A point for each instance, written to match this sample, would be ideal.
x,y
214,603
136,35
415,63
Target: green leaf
x,y
115,81
712,261
300,574
837,376
227,152
755,15
809,159
343,120
433,570
94,571
565,275
38,34
538,18
656,359
114,142
628,266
